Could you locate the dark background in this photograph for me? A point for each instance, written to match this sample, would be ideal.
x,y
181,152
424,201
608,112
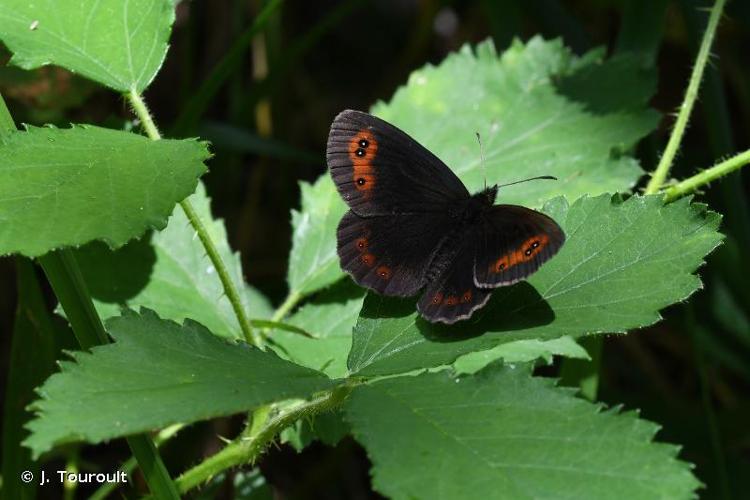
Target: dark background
x,y
269,123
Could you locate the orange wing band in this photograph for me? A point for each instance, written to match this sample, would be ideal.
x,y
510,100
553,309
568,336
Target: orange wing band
x,y
524,253
362,150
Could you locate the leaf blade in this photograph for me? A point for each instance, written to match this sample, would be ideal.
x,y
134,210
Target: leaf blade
x,y
330,317
66,187
503,434
120,44
621,264
313,262
528,127
170,273
155,374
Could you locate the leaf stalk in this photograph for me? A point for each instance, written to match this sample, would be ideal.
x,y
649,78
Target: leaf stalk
x,y
230,289
719,170
665,163
251,444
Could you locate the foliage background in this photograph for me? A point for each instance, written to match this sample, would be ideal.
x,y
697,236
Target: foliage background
x,y
268,125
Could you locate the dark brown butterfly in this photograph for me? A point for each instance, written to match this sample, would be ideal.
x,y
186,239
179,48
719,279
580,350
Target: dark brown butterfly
x,y
413,224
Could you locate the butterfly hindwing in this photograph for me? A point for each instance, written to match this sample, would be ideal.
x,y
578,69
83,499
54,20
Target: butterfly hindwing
x,y
380,170
453,295
513,243
389,254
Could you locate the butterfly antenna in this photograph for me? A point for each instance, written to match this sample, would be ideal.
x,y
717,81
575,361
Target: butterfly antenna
x,y
481,155
548,177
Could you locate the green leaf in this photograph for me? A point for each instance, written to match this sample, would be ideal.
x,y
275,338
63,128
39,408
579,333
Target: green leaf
x,y
623,82
621,264
171,274
66,187
313,262
503,434
120,44
528,127
159,373
330,317
329,428
521,351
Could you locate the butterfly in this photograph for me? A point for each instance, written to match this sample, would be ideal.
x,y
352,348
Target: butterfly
x,y
413,226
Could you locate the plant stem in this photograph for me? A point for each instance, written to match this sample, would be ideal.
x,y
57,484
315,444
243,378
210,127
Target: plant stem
x,y
71,291
71,465
711,174
249,446
660,174
290,301
130,464
33,351
251,336
67,282
143,114
231,291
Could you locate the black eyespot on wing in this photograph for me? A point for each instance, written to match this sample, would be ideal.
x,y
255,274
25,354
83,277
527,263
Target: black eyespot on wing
x,y
390,255
453,296
514,242
378,169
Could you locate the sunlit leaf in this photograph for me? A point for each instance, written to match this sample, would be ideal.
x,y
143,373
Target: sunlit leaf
x,y
171,274
313,262
66,187
329,317
118,43
528,127
521,351
621,264
157,373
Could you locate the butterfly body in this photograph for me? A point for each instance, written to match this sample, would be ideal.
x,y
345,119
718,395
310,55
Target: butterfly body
x,y
413,226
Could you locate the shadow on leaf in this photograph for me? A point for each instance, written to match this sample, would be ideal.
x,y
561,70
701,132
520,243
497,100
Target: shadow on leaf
x,y
517,307
115,276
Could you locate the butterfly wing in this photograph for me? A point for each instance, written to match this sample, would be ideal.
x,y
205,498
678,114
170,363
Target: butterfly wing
x,y
392,254
453,295
380,170
513,243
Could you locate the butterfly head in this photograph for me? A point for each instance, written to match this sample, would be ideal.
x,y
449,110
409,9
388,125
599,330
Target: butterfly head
x,y
486,197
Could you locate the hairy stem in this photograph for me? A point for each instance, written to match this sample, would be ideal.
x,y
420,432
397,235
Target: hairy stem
x,y
251,444
711,174
231,291
130,464
290,301
662,170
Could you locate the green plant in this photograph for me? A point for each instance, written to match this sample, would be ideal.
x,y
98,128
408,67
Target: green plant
x,y
436,408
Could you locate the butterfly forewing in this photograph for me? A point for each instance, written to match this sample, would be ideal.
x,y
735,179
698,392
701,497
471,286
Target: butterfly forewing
x,y
380,170
392,254
513,243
